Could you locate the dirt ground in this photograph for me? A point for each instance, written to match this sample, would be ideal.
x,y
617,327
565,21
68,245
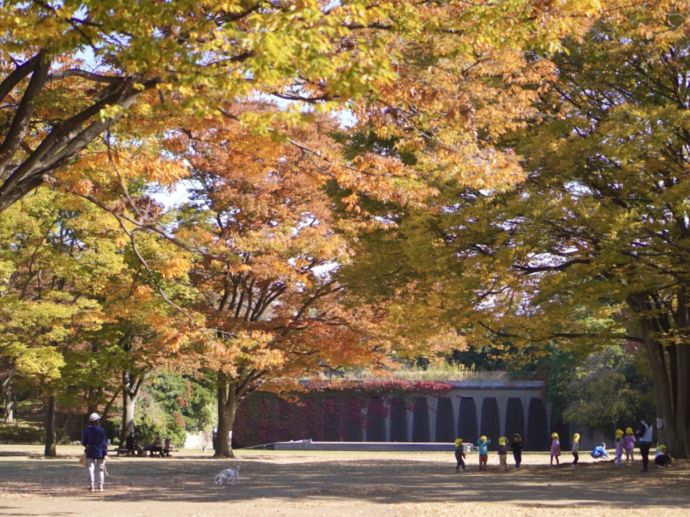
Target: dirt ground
x,y
334,484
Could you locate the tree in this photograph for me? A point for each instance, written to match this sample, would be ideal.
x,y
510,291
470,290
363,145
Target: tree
x,y
70,70
187,401
56,257
617,172
142,334
144,330
267,249
77,300
606,390
592,247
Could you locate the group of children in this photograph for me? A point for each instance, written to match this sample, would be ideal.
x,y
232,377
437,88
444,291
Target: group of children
x,y
625,443
483,449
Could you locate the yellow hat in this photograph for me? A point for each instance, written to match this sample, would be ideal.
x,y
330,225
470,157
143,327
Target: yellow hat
x,y
483,438
661,447
554,435
629,430
458,441
619,433
502,440
576,437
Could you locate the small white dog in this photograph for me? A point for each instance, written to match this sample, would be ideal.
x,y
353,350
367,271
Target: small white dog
x,y
228,476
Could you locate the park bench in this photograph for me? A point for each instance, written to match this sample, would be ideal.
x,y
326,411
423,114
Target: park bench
x,y
162,453
141,451
123,451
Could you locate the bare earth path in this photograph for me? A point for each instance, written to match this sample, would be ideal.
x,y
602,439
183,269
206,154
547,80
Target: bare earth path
x,y
334,484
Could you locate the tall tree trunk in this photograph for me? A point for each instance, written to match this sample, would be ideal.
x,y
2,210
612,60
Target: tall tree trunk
x,y
682,317
9,399
129,403
671,382
8,417
682,447
51,439
131,387
664,390
227,409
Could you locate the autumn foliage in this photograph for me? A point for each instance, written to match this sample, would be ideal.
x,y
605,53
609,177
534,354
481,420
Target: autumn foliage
x,y
357,184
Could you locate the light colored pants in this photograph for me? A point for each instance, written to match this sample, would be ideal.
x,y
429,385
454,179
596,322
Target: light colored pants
x,y
96,468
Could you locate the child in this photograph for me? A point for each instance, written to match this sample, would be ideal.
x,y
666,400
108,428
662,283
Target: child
x,y
555,448
516,446
619,446
503,452
661,458
599,452
459,455
629,444
575,449
483,444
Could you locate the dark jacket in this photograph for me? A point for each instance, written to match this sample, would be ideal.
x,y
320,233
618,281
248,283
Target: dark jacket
x,y
516,447
94,440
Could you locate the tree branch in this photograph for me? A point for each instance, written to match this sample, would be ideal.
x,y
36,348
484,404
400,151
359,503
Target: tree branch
x,y
18,74
91,76
21,117
560,267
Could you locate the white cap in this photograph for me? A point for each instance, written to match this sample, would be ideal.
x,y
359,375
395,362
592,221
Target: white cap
x,y
94,417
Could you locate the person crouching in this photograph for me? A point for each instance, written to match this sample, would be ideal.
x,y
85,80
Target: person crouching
x,y
661,458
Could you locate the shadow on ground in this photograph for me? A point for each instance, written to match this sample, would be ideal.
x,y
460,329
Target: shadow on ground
x,y
379,481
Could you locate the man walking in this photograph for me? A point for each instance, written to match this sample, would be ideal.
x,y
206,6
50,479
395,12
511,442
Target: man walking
x,y
96,448
645,442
